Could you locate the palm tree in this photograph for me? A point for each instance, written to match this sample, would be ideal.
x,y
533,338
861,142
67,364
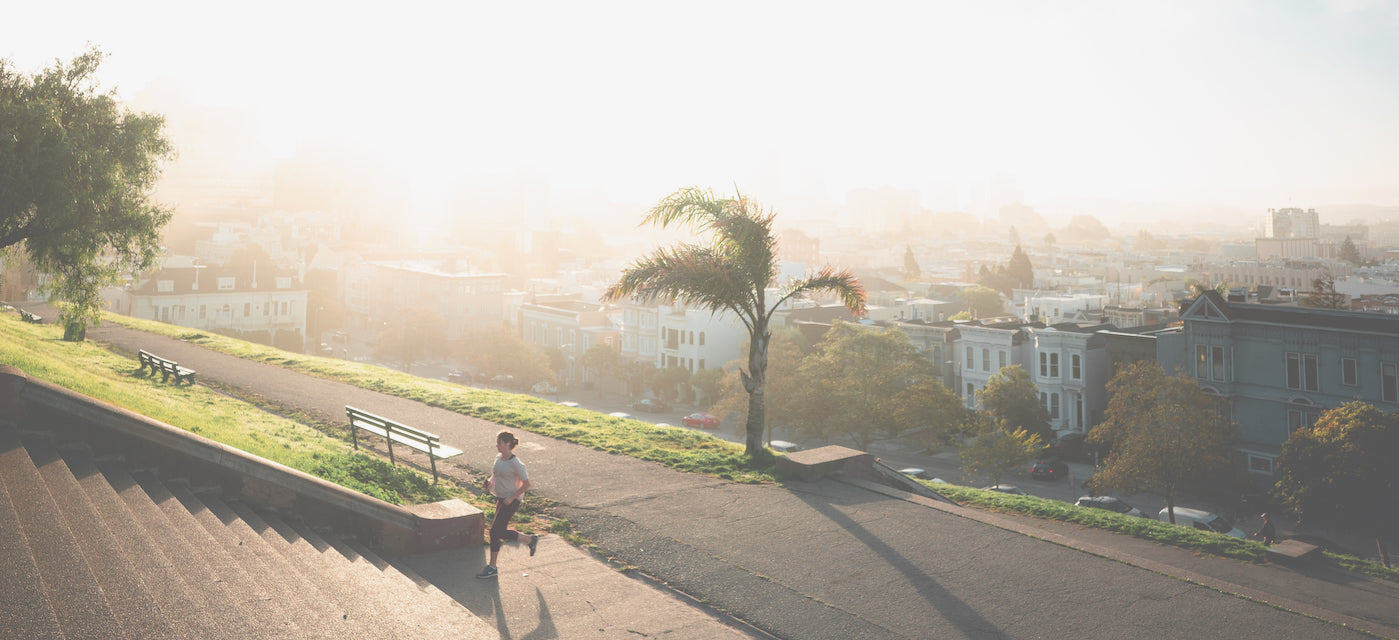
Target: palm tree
x,y
730,273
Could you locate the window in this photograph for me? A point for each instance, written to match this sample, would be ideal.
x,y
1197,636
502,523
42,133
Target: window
x,y
202,311
1076,366
1260,464
971,393
1302,371
1054,406
1044,364
985,359
1348,371
1310,368
971,362
1298,420
701,344
1054,365
1389,382
1217,355
1002,360
1294,371
1202,361
164,286
225,284
267,309
285,306
247,309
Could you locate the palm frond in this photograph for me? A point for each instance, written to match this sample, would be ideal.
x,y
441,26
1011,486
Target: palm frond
x,y
696,207
691,274
843,283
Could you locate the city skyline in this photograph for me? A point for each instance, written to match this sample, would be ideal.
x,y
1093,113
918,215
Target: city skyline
x,y
1250,105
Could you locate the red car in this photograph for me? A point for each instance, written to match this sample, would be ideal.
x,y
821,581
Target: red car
x,y
702,420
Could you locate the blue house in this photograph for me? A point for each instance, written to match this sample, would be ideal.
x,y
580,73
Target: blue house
x,y
1279,367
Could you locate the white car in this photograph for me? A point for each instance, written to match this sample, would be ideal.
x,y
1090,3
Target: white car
x,y
620,414
1201,520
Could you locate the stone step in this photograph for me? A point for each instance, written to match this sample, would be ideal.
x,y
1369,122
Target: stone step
x,y
166,584
72,591
359,604
247,594
225,613
126,594
315,613
455,619
24,607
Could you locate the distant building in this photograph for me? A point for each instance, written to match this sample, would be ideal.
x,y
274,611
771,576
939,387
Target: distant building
x,y
571,326
1277,368
258,304
377,291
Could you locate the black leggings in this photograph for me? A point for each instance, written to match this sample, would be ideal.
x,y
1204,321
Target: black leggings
x,y
500,524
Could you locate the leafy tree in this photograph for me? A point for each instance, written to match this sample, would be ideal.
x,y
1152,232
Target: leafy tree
x,y
1167,434
412,333
1341,472
983,302
76,172
1011,398
1020,270
602,360
865,383
911,270
998,451
666,380
732,273
1349,252
708,381
1323,294
1050,240
500,351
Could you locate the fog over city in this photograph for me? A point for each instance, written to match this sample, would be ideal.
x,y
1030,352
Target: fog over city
x,y
1131,112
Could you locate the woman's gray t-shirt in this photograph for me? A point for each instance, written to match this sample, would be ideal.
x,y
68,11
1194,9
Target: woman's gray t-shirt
x,y
509,476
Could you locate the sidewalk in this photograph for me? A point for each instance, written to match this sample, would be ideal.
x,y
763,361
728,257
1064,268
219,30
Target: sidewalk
x,y
818,560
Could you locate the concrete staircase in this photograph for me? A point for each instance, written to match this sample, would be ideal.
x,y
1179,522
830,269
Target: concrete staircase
x,y
92,549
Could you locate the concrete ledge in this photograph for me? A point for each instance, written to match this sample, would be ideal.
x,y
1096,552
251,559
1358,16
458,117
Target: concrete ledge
x,y
814,464
1289,550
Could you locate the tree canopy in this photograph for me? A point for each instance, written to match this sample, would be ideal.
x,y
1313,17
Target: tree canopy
x,y
998,451
865,383
1012,399
1166,433
412,333
983,302
732,273
76,172
1342,473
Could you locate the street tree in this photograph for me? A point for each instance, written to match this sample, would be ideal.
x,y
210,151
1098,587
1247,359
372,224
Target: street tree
x,y
76,173
1011,397
1021,272
983,302
499,351
1341,472
911,269
864,384
668,380
1323,294
731,273
1350,253
601,360
1167,435
412,333
997,451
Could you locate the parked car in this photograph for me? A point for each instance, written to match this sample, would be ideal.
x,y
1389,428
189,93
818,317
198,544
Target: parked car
x,y
620,414
783,446
568,403
649,405
1201,520
1006,488
701,420
1049,470
1109,503
914,472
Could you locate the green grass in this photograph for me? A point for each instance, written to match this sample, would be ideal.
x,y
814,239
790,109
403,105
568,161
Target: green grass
x,y
675,447
89,369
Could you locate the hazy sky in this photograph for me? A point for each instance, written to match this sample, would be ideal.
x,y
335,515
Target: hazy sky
x,y
1252,104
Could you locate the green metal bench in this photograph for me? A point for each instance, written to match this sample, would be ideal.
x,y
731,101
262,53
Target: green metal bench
x,y
395,432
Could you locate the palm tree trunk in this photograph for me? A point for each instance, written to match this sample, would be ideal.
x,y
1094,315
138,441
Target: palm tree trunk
x,y
755,382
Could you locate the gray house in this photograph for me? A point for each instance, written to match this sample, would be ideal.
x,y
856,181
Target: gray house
x,y
1280,367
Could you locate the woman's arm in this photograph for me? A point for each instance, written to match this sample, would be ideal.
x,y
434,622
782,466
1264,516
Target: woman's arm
x,y
524,486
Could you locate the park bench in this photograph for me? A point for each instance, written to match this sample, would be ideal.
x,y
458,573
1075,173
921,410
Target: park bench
x,y
393,432
166,368
31,317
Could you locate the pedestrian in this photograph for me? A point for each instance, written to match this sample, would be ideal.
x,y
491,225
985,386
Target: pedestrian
x,y
508,483
1266,532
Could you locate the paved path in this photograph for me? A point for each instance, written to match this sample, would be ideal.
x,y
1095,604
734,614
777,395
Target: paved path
x,y
826,559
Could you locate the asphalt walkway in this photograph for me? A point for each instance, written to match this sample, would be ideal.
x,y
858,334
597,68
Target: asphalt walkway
x,y
828,559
